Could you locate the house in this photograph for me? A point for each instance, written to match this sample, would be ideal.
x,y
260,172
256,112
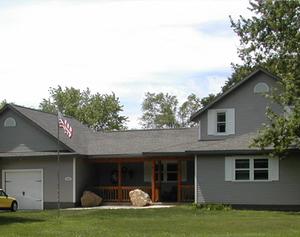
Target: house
x,y
210,163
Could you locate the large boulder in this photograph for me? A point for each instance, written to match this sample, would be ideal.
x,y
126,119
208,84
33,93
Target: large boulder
x,y
139,198
90,199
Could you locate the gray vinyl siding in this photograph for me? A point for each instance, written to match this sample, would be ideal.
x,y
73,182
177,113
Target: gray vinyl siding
x,y
25,137
249,108
85,176
212,187
49,166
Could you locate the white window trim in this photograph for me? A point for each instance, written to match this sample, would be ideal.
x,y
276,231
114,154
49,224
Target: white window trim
x,y
214,128
257,88
9,122
251,168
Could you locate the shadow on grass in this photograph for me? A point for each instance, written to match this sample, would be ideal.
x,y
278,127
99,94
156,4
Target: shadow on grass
x,y
6,220
294,213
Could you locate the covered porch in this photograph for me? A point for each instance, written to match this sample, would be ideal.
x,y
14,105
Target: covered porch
x,y
165,179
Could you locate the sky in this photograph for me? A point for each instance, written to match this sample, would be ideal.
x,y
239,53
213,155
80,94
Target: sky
x,y
128,47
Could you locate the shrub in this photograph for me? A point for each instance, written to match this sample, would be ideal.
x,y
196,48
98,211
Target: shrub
x,y
213,207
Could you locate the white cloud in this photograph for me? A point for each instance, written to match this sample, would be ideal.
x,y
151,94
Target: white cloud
x,y
109,46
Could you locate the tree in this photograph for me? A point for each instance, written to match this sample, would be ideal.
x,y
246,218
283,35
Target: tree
x,y
99,112
271,38
161,111
2,103
206,100
189,107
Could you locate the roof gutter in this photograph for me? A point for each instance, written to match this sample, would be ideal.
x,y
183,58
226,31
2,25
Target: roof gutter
x,y
230,152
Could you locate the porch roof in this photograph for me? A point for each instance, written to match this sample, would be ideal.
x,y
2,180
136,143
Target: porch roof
x,y
181,142
138,142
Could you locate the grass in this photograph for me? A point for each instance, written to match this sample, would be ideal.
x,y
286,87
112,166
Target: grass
x,y
177,221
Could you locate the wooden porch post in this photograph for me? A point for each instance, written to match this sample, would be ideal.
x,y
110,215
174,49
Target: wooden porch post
x,y
153,181
179,178
159,181
119,182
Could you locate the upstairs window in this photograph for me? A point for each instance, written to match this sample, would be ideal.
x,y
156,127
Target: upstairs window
x,y
221,122
9,122
261,88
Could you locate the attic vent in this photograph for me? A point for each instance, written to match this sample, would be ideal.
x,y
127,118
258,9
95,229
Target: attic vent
x,y
10,122
261,87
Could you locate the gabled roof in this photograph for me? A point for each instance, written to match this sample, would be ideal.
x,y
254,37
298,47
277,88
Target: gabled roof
x,y
48,123
237,85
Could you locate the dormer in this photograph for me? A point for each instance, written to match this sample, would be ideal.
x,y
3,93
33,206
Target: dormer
x,y
239,110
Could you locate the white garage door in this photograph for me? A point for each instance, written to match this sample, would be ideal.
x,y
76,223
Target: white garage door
x,y
26,186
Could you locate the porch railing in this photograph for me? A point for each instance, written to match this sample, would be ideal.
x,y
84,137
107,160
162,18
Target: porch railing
x,y
119,194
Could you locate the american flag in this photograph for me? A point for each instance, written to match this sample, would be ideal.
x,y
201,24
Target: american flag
x,y
63,123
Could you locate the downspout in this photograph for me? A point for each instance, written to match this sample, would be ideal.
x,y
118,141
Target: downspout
x,y
195,180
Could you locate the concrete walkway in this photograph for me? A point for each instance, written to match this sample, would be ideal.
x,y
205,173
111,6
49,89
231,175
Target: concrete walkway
x,y
116,207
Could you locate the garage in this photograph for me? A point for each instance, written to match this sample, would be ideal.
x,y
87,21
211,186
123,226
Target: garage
x,y
26,186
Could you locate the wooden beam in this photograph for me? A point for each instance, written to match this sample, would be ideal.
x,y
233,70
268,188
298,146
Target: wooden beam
x,y
117,160
159,181
153,181
120,182
135,159
179,178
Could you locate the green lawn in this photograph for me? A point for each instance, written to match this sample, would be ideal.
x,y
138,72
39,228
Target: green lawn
x,y
177,221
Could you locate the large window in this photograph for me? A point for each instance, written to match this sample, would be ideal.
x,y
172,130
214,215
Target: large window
x,y
251,169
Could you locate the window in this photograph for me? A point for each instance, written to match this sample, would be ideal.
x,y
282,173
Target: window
x,y
2,193
10,122
171,172
261,169
161,172
261,87
221,122
251,168
242,169
168,171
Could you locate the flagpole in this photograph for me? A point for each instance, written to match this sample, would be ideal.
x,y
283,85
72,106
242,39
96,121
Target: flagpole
x,y
58,168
